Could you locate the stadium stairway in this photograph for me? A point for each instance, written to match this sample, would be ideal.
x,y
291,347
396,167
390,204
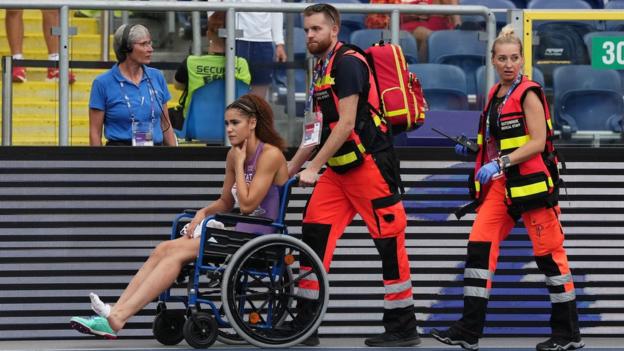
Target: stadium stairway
x,y
35,102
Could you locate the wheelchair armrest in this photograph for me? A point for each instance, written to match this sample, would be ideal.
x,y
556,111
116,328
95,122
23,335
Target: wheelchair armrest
x,y
233,218
190,211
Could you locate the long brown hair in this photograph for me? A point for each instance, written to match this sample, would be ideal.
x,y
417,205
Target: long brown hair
x,y
254,106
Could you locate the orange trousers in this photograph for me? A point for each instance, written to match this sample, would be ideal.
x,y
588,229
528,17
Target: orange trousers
x,y
491,226
336,199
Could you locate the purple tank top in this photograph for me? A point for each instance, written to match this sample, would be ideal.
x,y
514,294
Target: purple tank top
x,y
268,206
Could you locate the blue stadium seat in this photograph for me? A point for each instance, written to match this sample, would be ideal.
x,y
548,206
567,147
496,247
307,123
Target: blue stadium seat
x,y
538,77
594,4
559,4
520,4
444,85
364,38
614,25
587,98
478,22
205,119
564,4
460,48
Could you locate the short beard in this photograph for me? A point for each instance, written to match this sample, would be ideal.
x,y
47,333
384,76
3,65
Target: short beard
x,y
321,47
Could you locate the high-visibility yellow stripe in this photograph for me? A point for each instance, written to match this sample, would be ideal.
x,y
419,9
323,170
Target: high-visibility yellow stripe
x,y
479,139
549,123
477,186
377,120
397,112
512,143
527,190
550,182
399,71
346,158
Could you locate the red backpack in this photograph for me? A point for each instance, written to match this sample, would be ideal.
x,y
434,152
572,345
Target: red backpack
x,y
402,102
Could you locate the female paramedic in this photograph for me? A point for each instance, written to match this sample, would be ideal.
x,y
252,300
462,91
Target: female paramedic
x,y
515,176
129,101
254,168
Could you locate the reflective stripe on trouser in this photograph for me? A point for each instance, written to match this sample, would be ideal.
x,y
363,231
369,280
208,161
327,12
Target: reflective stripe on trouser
x,y
491,227
336,199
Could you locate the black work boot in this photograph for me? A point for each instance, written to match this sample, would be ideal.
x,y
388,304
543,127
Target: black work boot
x,y
312,340
452,336
394,339
560,344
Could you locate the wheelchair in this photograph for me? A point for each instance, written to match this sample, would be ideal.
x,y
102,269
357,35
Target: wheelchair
x,y
248,291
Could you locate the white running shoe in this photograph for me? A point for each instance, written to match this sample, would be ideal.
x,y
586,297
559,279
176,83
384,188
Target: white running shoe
x,y
99,307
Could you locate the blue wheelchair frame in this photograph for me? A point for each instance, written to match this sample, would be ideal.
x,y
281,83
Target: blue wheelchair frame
x,y
230,241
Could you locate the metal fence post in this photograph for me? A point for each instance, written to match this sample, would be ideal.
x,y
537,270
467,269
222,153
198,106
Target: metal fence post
x,y
7,100
105,32
196,25
64,77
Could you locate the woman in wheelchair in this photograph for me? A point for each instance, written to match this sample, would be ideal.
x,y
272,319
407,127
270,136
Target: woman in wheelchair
x,y
255,168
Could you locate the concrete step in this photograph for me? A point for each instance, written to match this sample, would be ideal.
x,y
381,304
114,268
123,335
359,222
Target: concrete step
x,y
42,54
39,75
33,92
33,25
47,120
33,42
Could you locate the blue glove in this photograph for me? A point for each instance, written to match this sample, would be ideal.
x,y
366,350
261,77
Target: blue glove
x,y
487,171
461,150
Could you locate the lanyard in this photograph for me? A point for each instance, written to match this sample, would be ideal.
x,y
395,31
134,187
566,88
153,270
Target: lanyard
x,y
319,72
513,86
129,105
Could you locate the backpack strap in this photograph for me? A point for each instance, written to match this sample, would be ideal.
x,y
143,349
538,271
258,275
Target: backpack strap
x,y
371,67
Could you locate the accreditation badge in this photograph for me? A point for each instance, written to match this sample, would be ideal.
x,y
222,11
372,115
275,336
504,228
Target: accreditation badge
x,y
142,133
312,126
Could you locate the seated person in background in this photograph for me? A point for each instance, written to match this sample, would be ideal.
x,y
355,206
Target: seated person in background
x,y
421,26
195,71
254,168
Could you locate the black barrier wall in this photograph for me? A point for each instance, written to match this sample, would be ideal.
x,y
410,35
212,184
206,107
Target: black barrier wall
x,y
76,220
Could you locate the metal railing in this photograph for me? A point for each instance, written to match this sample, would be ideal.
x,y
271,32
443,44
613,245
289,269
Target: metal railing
x,y
231,8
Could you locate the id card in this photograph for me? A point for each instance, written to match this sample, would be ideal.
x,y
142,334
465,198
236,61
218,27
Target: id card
x,y
142,133
312,125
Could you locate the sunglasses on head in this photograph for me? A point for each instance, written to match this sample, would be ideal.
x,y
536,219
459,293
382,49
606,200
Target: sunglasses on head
x,y
323,8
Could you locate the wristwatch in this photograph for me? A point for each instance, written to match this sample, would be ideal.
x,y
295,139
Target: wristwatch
x,y
504,162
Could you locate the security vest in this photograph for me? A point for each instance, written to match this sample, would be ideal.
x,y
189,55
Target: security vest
x,y
370,132
206,68
533,183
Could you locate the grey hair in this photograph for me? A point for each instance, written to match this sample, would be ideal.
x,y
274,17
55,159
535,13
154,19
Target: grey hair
x,y
137,33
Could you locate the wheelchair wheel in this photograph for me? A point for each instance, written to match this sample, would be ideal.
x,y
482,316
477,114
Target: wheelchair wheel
x,y
167,327
228,336
200,330
259,291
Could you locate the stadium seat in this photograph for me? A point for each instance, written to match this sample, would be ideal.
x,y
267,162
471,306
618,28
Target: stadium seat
x,y
596,4
460,48
444,85
205,119
538,77
614,25
560,42
364,38
587,99
478,22
520,4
